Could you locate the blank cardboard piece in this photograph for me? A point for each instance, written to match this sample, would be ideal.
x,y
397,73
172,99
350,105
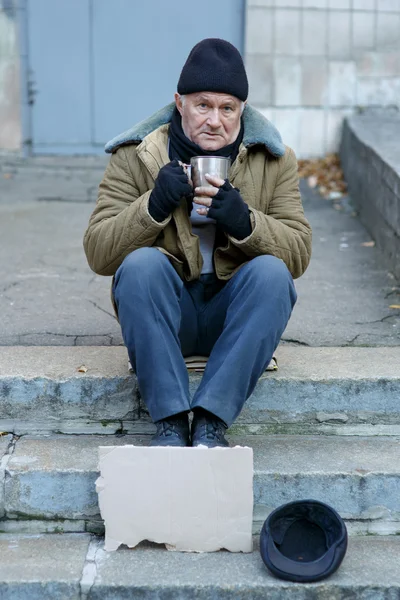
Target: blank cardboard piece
x,y
191,499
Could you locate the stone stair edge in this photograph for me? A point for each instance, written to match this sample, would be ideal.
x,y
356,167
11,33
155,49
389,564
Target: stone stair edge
x,y
336,451
347,391
355,527
75,566
59,362
359,477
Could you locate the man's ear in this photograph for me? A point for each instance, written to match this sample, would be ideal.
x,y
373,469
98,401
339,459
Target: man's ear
x,y
178,102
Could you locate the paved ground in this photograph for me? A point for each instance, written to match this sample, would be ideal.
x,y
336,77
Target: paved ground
x,y
73,566
49,296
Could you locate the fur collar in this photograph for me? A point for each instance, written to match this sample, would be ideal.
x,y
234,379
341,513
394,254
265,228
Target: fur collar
x,y
257,130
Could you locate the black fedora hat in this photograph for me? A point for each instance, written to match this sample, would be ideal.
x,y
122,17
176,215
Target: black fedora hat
x,y
303,541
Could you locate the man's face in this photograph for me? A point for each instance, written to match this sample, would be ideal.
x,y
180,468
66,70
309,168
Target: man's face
x,y
211,120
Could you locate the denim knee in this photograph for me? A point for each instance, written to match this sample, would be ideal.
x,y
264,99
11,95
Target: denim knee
x,y
141,263
143,259
268,270
268,266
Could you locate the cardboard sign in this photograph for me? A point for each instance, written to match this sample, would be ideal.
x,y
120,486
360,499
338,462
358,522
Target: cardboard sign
x,y
191,499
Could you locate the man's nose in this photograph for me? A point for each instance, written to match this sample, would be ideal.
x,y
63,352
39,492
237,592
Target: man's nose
x,y
214,118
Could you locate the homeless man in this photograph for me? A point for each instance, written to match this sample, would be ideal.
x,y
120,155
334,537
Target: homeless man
x,y
208,270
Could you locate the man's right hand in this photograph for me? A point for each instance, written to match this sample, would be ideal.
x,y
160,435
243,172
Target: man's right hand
x,y
171,185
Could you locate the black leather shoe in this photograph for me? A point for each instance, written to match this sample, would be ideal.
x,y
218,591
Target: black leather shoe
x,y
173,431
208,430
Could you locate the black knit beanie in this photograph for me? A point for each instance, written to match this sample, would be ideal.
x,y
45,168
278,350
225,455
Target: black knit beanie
x,y
214,65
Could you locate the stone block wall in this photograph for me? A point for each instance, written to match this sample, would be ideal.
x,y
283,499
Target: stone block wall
x,y
370,156
312,62
10,118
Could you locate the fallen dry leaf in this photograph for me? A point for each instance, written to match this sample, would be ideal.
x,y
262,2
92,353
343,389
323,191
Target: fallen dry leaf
x,y
324,173
82,369
7,176
394,306
3,433
370,244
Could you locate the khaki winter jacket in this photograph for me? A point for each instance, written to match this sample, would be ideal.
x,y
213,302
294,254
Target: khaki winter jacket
x,y
265,171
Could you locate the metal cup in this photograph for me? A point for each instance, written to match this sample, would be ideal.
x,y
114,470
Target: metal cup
x,y
213,165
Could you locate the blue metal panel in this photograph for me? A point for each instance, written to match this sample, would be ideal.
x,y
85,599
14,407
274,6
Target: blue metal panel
x,y
139,49
59,56
98,66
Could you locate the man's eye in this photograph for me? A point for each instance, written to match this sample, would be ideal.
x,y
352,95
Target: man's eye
x,y
203,105
228,108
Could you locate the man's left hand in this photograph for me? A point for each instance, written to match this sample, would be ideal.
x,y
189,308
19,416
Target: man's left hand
x,y
224,203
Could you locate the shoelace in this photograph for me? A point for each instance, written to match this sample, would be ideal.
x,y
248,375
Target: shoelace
x,y
214,430
167,428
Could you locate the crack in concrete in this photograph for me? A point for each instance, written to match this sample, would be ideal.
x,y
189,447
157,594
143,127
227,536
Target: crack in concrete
x,y
394,292
9,287
48,333
107,335
141,408
3,469
377,320
73,335
294,341
352,340
368,344
19,341
89,571
102,309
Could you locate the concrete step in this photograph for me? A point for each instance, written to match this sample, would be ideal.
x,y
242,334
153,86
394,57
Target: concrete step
x,y
75,566
324,390
49,482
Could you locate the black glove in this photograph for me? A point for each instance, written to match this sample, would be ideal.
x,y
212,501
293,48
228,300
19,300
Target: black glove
x,y
231,212
170,186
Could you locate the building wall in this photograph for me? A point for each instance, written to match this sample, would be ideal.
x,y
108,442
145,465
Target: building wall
x,y
312,62
10,122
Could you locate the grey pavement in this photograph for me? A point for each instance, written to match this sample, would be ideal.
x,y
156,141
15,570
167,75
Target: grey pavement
x,y
49,295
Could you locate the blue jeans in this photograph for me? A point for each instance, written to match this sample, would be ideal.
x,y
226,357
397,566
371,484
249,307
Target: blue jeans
x,y
238,324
